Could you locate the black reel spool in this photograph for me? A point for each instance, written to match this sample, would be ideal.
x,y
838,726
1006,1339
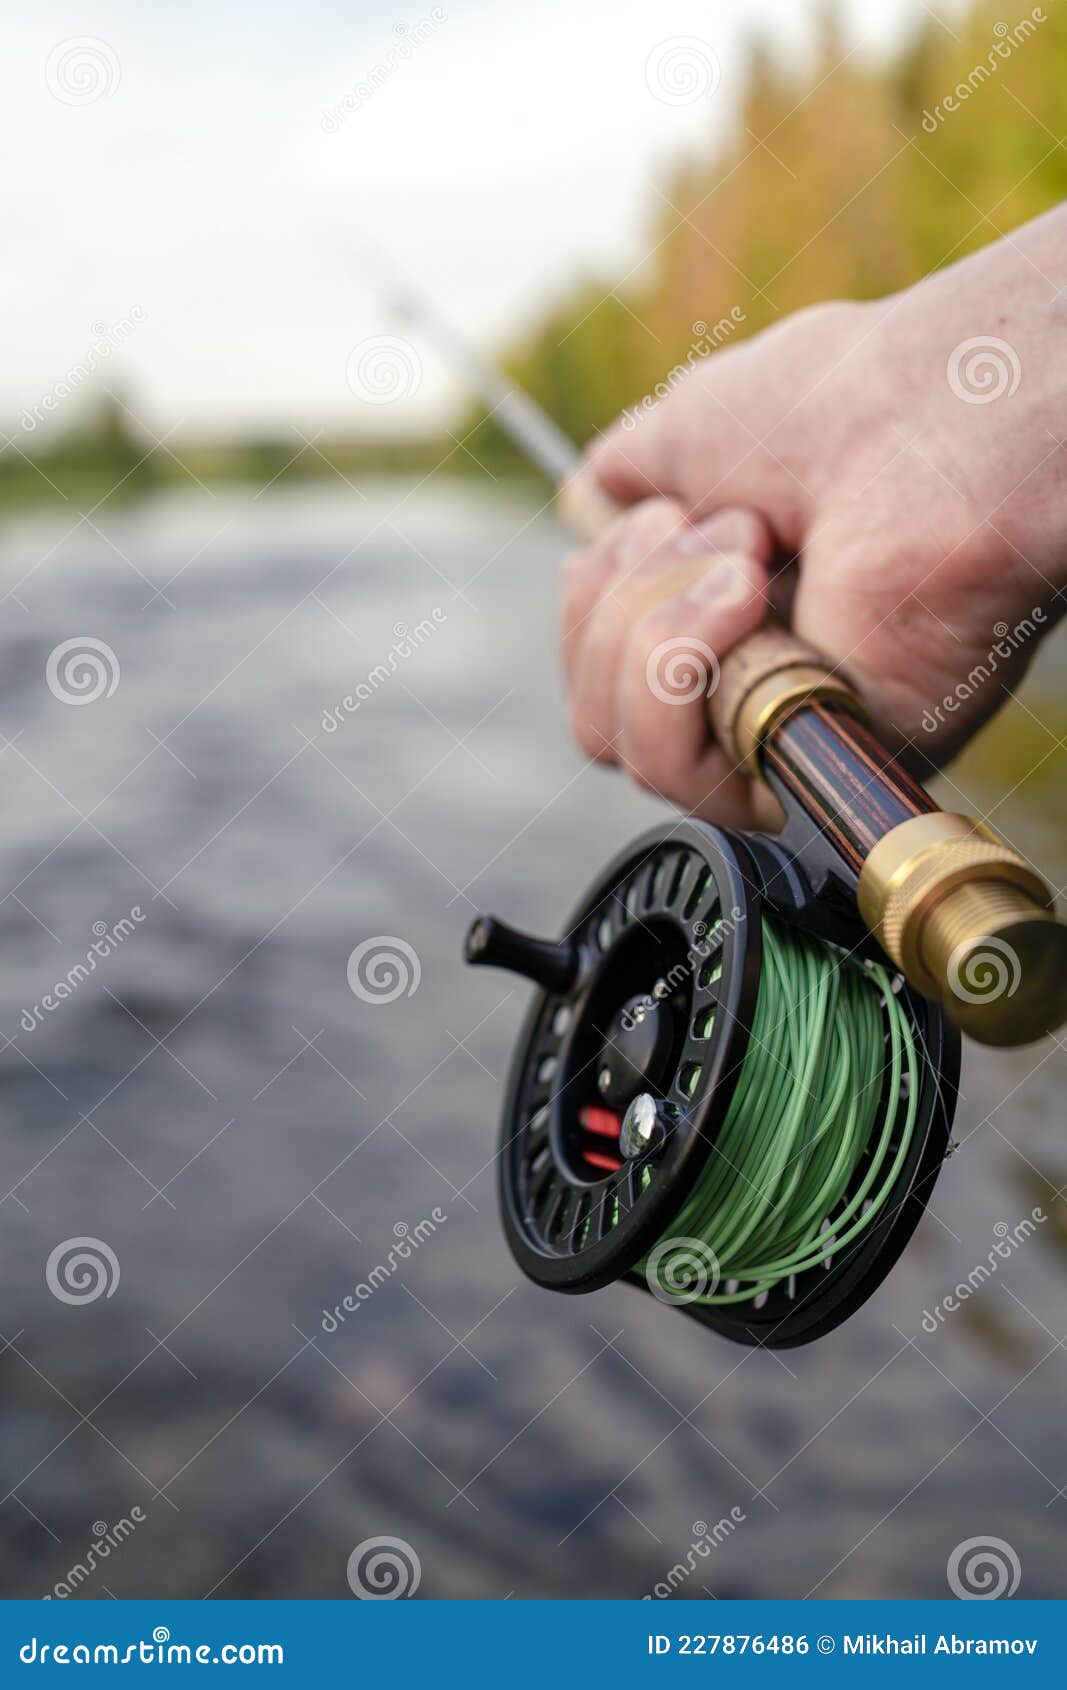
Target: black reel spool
x,y
653,991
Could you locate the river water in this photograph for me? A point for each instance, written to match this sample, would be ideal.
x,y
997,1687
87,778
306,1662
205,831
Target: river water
x,y
250,1138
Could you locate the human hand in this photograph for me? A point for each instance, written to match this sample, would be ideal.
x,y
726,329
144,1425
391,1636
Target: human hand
x,y
907,453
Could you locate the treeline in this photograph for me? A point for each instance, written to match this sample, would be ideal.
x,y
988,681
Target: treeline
x,y
103,454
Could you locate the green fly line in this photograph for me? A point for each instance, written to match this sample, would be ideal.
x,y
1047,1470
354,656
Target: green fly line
x,y
818,1099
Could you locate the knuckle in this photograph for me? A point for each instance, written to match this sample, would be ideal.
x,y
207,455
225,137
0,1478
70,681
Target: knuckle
x,y
575,570
640,530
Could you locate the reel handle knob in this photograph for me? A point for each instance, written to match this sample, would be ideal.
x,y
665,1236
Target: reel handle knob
x,y
491,943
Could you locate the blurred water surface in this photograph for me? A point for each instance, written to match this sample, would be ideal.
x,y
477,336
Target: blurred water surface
x,y
247,1135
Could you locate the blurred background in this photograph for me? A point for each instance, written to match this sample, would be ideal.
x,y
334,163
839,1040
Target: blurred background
x,y
235,491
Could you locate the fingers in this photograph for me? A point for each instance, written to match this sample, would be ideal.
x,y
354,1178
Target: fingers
x,y
632,464
707,453
649,612
669,668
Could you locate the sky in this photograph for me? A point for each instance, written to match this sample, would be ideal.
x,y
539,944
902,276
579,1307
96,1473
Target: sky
x,y
194,186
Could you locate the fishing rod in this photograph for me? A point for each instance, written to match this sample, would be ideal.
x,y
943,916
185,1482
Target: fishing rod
x,y
735,1086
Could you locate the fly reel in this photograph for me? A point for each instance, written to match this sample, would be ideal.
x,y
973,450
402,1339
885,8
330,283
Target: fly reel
x,y
629,1129
737,1083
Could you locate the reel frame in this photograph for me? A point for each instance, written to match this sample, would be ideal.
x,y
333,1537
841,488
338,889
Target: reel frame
x,y
576,1227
